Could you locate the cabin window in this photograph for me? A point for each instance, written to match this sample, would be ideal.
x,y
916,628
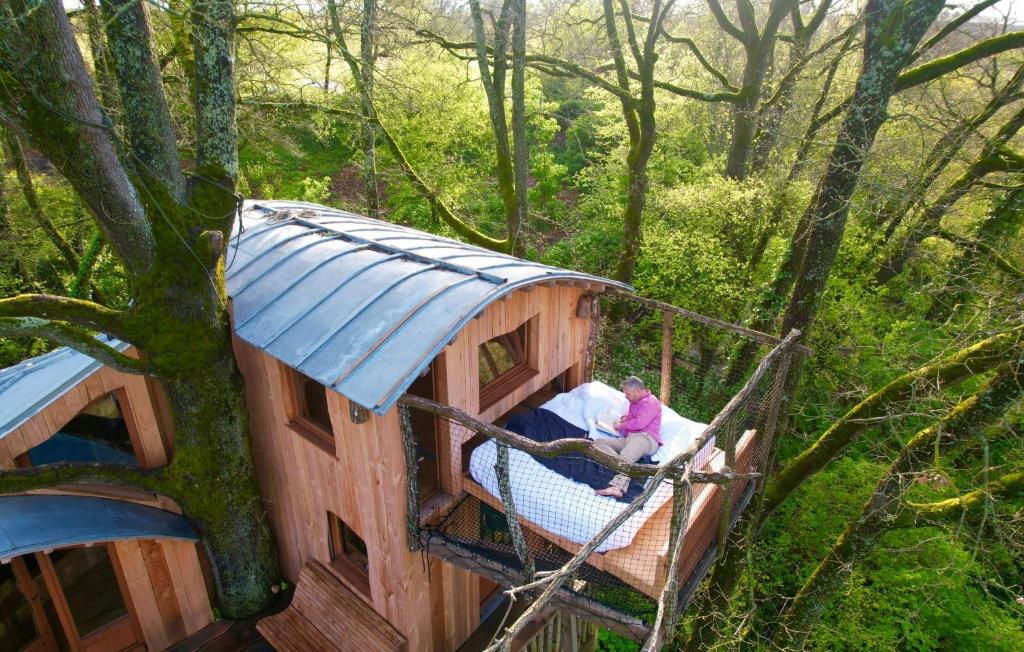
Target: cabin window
x,y
90,587
505,363
98,433
349,556
308,410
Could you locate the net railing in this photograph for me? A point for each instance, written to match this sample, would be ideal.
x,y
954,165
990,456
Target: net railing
x,y
531,520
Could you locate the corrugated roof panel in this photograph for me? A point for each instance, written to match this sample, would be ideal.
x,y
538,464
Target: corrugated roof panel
x,y
361,305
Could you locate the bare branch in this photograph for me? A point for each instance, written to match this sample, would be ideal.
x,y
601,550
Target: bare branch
x,y
951,27
973,244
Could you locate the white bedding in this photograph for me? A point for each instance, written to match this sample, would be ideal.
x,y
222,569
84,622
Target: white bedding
x,y
571,509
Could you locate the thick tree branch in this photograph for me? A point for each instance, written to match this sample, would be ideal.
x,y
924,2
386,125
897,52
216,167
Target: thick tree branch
x,y
76,311
145,114
951,27
965,363
75,337
47,94
723,21
879,511
1006,487
50,476
935,68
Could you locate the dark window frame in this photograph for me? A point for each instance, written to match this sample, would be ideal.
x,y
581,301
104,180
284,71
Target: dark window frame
x,y
522,342
298,411
350,562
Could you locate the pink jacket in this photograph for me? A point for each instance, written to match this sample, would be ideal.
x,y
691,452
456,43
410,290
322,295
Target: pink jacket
x,y
644,416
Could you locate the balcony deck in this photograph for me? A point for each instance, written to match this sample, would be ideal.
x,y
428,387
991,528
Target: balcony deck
x,y
643,564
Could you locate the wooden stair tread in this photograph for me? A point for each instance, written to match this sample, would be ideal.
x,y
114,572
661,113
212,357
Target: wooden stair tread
x,y
326,615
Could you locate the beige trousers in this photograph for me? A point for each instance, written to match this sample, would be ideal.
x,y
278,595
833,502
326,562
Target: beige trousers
x,y
628,449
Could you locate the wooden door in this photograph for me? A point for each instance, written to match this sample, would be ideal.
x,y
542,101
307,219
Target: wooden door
x,y
89,598
71,599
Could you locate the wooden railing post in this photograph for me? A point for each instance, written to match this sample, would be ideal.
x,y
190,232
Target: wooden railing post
x,y
592,337
666,356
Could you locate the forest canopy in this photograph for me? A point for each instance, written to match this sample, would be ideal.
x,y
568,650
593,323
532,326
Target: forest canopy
x,y
850,169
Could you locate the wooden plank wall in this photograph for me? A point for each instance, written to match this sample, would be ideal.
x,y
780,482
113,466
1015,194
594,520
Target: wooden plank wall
x,y
166,589
433,604
363,484
560,344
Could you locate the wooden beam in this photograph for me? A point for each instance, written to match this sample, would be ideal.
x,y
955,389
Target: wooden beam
x,y
666,356
750,333
453,553
583,446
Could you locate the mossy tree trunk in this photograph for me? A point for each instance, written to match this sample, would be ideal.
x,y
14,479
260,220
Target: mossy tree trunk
x,y
168,229
759,47
892,31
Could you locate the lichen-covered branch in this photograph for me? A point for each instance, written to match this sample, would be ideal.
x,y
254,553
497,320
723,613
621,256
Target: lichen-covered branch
x,y
75,337
1006,487
963,364
51,100
50,476
145,115
877,514
76,311
508,503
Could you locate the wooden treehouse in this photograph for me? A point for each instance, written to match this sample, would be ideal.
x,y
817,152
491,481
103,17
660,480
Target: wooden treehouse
x,y
397,385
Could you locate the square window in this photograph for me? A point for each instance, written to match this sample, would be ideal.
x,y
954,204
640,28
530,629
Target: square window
x,y
505,363
308,412
349,556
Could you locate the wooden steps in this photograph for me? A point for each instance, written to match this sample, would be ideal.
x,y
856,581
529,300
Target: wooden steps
x,y
643,564
326,615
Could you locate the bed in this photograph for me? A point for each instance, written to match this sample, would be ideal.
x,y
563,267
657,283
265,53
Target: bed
x,y
570,510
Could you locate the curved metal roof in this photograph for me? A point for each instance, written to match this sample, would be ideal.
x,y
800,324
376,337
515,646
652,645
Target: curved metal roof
x,y
44,522
361,305
29,386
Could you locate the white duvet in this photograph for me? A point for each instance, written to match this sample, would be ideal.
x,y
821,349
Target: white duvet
x,y
571,509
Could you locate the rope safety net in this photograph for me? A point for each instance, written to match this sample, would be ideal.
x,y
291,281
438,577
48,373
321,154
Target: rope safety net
x,y
612,558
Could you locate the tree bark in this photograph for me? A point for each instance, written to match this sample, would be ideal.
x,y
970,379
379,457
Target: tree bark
x,y
368,59
147,120
172,249
893,30
759,47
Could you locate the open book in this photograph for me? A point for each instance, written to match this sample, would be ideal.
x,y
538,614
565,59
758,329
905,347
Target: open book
x,y
604,425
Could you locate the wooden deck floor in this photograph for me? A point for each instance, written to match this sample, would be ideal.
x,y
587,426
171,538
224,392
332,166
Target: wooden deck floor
x,y
233,635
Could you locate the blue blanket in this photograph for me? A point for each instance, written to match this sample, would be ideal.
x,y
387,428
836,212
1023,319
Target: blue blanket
x,y
544,426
